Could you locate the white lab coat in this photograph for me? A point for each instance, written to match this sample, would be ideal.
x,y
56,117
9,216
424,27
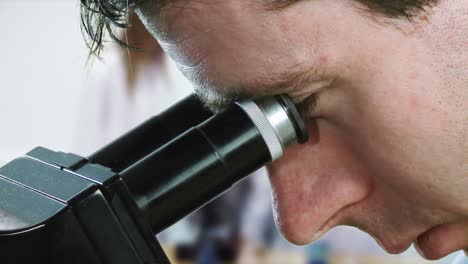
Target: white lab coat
x,y
109,108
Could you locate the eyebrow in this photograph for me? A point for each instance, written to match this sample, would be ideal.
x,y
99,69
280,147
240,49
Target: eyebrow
x,y
217,99
289,83
305,107
285,83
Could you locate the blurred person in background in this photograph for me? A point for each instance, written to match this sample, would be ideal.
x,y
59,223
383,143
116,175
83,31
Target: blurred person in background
x,y
130,86
126,88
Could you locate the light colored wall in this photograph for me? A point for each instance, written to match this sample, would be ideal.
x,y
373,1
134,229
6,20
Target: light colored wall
x,y
42,64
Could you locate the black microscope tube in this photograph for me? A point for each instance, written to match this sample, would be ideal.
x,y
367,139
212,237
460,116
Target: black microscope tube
x,y
196,167
152,134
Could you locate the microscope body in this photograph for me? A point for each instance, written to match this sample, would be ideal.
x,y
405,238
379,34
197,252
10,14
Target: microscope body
x,y
107,208
67,210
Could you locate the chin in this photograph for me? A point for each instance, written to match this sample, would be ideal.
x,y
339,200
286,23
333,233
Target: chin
x,y
391,237
398,242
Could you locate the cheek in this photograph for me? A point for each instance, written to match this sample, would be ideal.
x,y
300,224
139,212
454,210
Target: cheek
x,y
398,118
402,136
313,182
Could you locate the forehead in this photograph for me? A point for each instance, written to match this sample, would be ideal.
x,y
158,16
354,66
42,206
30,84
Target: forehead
x,y
170,11
172,15
266,4
246,53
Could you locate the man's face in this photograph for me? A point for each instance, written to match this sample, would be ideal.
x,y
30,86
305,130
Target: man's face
x,y
385,103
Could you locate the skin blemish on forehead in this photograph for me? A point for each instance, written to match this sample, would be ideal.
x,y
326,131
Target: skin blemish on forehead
x,y
413,75
323,59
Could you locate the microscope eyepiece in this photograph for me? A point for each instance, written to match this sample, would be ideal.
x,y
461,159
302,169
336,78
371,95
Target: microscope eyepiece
x,y
278,121
209,158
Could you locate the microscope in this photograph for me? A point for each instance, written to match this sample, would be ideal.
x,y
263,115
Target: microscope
x,y
107,208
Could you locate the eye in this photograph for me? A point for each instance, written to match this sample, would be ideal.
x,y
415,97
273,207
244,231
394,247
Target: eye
x,y
306,106
306,109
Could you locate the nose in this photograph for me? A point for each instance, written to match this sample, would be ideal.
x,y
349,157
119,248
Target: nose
x,y
313,183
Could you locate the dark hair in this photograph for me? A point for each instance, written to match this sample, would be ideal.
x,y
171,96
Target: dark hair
x,y
101,17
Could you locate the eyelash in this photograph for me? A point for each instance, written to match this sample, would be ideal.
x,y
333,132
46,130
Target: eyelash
x,y
307,106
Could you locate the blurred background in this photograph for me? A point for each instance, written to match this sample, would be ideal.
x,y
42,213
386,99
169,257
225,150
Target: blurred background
x,y
49,96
